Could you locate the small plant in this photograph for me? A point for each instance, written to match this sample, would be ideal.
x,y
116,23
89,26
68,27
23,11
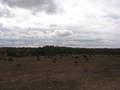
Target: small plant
x,y
76,57
48,56
54,60
76,62
38,58
10,59
18,65
84,56
1,58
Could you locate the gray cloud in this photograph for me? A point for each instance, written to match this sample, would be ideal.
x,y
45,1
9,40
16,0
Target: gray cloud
x,y
36,38
5,12
36,42
1,25
53,25
115,17
63,33
91,43
1,33
16,42
48,6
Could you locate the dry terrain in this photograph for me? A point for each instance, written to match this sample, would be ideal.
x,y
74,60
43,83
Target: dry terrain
x,y
61,72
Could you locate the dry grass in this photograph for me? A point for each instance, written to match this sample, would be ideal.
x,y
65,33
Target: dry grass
x,y
98,73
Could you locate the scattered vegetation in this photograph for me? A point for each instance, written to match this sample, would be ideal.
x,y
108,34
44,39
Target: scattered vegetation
x,y
86,58
10,59
54,60
76,62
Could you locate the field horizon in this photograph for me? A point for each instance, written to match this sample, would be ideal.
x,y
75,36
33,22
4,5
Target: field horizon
x,y
59,68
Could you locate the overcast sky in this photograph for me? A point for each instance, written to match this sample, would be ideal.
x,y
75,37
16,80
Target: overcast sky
x,y
73,23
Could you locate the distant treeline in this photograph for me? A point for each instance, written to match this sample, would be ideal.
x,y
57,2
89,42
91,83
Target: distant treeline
x,y
53,50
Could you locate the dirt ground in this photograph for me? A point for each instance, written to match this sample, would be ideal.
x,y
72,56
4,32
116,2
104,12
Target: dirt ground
x,y
61,72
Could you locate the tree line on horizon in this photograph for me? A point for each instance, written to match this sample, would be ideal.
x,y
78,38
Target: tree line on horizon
x,y
53,50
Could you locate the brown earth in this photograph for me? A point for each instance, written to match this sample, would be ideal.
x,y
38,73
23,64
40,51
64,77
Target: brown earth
x,y
61,72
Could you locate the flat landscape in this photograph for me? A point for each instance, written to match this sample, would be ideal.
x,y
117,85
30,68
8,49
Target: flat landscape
x,y
60,72
59,68
59,44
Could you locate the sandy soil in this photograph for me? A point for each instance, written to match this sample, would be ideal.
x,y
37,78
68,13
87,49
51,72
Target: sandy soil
x,y
62,72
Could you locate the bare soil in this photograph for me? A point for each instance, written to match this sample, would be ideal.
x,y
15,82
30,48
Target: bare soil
x,y
61,72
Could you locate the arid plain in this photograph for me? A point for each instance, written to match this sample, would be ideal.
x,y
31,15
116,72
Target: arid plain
x,y
60,72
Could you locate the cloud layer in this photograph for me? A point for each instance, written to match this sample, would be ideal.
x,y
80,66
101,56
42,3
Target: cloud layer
x,y
76,23
48,6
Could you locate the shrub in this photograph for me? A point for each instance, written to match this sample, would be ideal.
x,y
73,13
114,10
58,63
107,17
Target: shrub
x,y
76,62
76,57
84,56
1,58
54,60
38,58
18,65
10,59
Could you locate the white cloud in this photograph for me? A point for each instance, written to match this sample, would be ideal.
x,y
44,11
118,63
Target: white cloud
x,y
63,33
5,11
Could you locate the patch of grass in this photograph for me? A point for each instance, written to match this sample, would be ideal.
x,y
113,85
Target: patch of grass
x,y
86,58
18,65
76,57
54,60
49,57
1,58
76,62
10,59
38,58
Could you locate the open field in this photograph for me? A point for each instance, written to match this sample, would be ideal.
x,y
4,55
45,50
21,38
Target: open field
x,y
60,72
